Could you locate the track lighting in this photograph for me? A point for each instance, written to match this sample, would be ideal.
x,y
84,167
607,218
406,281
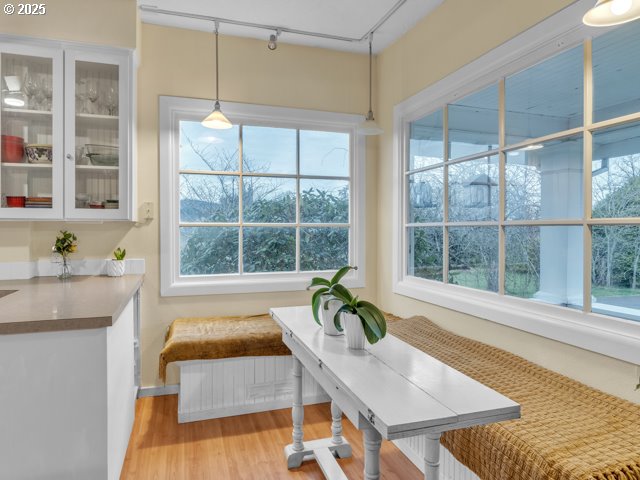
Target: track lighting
x,y
273,40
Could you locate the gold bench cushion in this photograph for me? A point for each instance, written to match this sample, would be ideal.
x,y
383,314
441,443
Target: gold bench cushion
x,y
210,338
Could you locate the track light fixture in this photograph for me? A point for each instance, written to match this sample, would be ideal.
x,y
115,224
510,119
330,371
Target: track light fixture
x,y
273,40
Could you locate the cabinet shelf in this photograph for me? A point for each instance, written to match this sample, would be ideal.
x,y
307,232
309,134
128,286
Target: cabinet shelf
x,y
89,168
26,165
27,112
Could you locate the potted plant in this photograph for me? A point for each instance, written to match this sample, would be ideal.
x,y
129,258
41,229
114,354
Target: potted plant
x,y
329,305
115,266
65,245
361,319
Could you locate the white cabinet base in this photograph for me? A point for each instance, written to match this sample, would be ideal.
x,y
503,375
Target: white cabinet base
x,y
236,386
67,401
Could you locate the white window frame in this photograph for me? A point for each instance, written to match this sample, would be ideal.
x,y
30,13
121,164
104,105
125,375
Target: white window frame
x,y
614,337
174,109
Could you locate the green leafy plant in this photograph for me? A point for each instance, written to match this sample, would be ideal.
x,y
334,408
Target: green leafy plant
x,y
119,254
66,243
325,286
373,321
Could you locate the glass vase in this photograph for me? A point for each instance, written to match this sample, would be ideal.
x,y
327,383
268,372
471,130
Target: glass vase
x,y
64,269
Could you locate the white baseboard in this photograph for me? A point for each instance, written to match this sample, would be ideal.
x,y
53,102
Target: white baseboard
x,y
46,268
158,391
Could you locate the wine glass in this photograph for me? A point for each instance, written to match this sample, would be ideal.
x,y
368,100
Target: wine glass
x,y
29,88
81,96
92,95
39,95
47,92
111,101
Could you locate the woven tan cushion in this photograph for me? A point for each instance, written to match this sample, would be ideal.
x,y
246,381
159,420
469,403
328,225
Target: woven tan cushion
x,y
210,338
568,431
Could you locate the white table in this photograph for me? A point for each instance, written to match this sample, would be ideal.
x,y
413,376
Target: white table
x,y
390,390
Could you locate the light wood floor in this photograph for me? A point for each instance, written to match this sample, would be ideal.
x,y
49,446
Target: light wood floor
x,y
243,447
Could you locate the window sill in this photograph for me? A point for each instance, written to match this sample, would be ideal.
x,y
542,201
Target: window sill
x,y
616,338
250,283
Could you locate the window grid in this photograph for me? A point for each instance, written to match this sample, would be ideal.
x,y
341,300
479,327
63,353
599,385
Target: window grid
x,y
298,224
586,221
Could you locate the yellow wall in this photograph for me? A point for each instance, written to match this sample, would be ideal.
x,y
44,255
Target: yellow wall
x,y
180,62
458,32
105,22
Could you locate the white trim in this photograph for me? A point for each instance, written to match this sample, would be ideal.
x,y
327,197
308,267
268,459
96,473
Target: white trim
x,y
617,338
46,268
172,109
158,391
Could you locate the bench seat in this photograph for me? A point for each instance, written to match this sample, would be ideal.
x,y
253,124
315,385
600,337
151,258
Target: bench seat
x,y
568,431
232,366
211,338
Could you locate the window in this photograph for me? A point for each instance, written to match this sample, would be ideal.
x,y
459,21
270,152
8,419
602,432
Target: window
x,y
262,206
527,189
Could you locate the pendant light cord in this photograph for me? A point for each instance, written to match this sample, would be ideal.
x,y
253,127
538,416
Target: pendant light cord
x,y
217,81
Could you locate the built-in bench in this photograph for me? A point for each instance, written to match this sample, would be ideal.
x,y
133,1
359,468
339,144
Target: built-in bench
x,y
231,366
568,431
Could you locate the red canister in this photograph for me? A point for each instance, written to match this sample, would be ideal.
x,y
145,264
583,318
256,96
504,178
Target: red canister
x,y
12,149
16,202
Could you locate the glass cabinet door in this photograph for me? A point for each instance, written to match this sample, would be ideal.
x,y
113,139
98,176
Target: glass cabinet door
x,y
31,133
95,147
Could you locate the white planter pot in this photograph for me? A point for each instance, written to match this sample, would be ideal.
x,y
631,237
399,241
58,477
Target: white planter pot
x,y
115,268
328,314
355,332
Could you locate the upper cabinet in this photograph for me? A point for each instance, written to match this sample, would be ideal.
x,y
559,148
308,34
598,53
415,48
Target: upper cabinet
x,y
66,132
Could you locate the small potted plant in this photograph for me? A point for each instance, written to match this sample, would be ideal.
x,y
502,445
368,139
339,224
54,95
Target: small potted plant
x,y
361,319
115,266
329,305
65,245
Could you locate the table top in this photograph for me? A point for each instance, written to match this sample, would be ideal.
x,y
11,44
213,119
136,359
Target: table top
x,y
45,304
406,390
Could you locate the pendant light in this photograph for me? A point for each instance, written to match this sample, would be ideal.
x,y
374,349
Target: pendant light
x,y
612,12
369,125
216,119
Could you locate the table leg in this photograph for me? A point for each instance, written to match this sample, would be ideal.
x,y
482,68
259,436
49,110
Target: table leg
x,y
340,446
372,441
432,457
295,452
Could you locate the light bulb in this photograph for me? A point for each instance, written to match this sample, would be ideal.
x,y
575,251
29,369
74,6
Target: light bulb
x,y
620,7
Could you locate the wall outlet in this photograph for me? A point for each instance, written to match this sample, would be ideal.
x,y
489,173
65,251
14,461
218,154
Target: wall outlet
x,y
146,211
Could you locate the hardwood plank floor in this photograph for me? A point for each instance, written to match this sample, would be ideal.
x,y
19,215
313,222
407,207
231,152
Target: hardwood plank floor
x,y
245,447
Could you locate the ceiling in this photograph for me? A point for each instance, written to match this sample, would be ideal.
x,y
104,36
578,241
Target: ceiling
x,y
352,19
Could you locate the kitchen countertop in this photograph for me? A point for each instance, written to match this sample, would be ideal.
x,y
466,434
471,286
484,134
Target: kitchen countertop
x,y
47,304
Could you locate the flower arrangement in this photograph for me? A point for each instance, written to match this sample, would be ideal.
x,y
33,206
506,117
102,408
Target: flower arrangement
x,y
65,245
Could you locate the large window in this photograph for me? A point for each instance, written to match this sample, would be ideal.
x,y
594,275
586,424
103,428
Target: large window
x,y
529,187
263,205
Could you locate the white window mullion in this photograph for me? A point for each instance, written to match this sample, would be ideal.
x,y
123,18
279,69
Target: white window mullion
x,y
240,204
587,139
445,200
502,242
